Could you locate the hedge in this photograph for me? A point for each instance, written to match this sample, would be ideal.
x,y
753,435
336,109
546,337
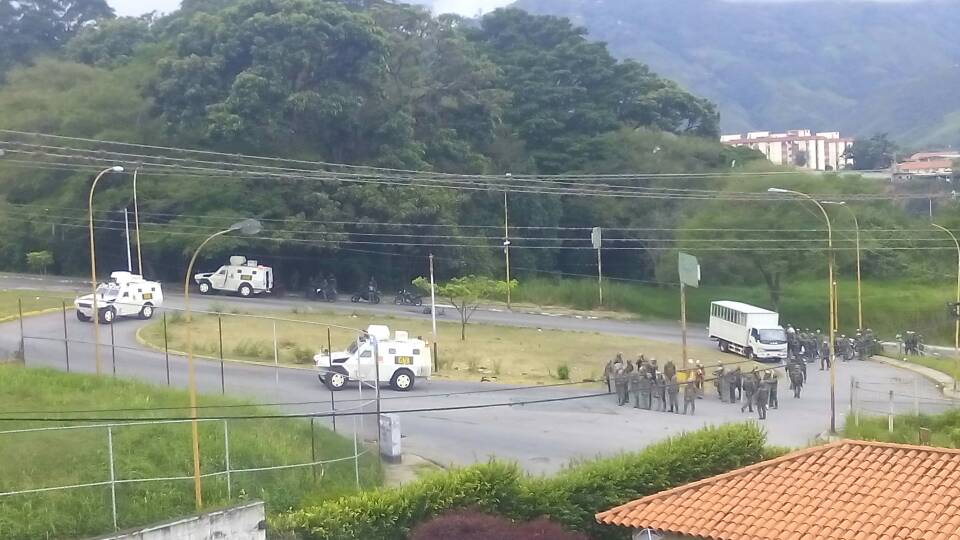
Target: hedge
x,y
570,498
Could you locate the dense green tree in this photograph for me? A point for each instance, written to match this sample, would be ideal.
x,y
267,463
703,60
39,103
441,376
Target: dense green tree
x,y
32,27
110,43
875,152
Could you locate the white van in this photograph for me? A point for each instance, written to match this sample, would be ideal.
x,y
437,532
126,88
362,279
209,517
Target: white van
x,y
747,330
241,276
402,360
126,295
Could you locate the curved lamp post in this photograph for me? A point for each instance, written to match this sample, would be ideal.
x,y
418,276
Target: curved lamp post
x,y
247,227
93,267
956,332
856,225
136,221
831,312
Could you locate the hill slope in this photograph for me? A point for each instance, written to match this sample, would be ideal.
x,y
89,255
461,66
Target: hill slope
x,y
856,66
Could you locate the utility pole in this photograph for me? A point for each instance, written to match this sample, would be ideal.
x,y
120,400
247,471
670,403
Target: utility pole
x,y
126,228
506,242
433,301
596,238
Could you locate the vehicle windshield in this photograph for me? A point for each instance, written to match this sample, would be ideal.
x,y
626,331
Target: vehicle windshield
x,y
107,292
352,348
773,336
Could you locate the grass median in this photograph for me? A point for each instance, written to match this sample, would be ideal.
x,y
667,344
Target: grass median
x,y
498,353
80,456
31,301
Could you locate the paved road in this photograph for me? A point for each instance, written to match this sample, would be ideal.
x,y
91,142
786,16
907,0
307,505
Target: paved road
x,y
540,437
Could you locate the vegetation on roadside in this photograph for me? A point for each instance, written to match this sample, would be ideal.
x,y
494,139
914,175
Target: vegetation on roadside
x,y
502,353
944,428
889,307
942,364
79,456
12,301
570,498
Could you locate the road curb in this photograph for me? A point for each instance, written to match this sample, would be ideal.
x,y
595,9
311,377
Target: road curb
x,y
140,339
943,381
32,313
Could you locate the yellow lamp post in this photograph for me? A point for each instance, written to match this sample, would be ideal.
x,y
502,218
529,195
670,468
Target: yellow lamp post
x,y
93,268
956,331
856,225
831,317
248,227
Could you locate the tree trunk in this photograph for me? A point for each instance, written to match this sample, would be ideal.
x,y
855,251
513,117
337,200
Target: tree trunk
x,y
772,278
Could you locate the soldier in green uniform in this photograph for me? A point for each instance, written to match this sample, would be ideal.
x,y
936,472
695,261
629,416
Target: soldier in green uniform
x,y
673,390
690,394
761,397
749,389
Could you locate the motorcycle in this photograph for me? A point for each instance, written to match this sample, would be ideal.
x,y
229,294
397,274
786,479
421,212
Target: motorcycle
x,y
370,295
406,297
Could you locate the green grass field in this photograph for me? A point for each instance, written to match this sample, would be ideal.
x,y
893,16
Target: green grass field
x,y
31,301
57,458
506,353
944,429
939,363
889,308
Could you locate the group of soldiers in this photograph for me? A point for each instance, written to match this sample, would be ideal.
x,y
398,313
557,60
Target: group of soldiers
x,y
752,388
811,346
651,388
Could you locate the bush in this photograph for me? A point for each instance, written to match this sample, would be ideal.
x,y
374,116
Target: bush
x,y
253,349
473,525
570,498
563,372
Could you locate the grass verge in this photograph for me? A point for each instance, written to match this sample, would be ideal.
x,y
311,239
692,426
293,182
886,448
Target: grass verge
x,y
941,364
889,307
501,353
32,301
944,429
79,456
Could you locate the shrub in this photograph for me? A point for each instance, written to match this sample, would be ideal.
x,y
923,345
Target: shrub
x,y
473,525
571,498
249,348
563,372
302,355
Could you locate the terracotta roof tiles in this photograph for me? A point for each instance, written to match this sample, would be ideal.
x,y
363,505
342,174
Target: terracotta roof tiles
x,y
852,490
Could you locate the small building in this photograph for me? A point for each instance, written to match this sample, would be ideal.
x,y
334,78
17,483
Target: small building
x,y
842,490
821,151
926,166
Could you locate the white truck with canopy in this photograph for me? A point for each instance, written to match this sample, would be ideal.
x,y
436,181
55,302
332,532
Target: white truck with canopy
x,y
241,276
402,360
747,330
125,295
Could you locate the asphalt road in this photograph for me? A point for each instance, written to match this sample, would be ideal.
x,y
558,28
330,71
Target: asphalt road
x,y
540,437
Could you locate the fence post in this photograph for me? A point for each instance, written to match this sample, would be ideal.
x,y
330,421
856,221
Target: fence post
x,y
23,349
856,406
226,454
276,359
113,350
313,447
333,403
66,342
113,477
356,453
853,385
436,359
166,350
890,414
223,384
916,396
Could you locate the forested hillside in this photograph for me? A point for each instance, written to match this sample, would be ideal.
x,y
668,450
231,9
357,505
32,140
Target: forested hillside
x,y
387,134
861,67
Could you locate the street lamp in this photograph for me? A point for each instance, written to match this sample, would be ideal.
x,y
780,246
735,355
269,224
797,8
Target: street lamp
x,y
93,267
831,312
956,332
247,227
856,225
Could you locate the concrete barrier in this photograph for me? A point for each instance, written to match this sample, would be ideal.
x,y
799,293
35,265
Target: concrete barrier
x,y
242,522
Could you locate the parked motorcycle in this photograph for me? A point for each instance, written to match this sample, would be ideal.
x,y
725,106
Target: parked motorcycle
x,y
370,295
406,297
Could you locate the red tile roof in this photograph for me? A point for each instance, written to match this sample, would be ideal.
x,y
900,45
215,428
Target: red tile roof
x,y
842,490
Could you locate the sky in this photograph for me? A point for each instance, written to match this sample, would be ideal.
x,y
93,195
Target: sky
x,y
462,7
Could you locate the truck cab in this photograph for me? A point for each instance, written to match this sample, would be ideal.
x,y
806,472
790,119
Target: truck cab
x,y
747,330
125,295
401,360
241,276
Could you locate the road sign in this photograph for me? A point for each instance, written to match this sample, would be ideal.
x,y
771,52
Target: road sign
x,y
689,270
595,237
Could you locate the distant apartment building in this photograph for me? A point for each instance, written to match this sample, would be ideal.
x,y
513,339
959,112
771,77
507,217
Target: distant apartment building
x,y
821,151
926,165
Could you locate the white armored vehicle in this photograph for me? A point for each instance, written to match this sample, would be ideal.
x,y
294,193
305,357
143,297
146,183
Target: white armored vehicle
x,y
402,360
241,276
126,295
